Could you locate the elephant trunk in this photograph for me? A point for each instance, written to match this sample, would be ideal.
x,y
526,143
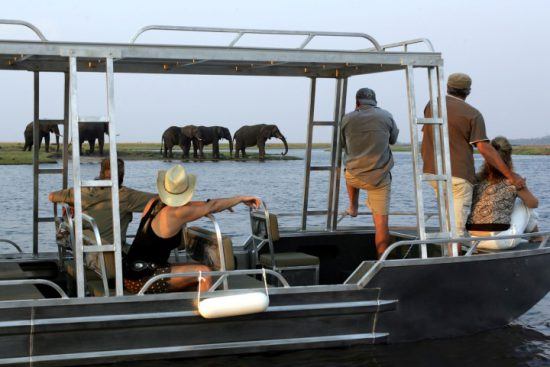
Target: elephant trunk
x,y
286,145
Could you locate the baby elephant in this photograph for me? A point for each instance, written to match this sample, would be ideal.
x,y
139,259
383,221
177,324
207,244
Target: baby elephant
x,y
250,135
212,135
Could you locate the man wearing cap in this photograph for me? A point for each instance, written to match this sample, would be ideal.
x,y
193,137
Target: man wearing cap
x,y
367,134
96,202
466,130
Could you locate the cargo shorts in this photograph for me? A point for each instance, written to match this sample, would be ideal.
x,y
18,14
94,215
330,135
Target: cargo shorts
x,y
378,197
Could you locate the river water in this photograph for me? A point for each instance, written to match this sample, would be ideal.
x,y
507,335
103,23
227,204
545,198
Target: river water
x,y
279,182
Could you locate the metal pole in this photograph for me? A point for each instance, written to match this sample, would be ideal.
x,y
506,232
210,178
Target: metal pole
x,y
338,170
417,174
333,152
66,133
438,158
446,153
35,161
77,192
114,175
307,171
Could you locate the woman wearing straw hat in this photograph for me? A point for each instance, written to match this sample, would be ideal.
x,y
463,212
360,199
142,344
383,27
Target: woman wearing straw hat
x,y
160,232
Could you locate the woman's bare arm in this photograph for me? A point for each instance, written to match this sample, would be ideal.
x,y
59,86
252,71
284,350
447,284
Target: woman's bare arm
x,y
170,219
528,198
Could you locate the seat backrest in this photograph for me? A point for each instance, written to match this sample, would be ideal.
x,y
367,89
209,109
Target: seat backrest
x,y
202,245
260,225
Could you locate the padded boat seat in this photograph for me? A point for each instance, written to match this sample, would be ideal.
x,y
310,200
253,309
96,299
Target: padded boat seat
x,y
245,282
289,259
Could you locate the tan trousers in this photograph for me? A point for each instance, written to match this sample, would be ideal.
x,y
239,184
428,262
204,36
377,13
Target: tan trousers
x,y
462,200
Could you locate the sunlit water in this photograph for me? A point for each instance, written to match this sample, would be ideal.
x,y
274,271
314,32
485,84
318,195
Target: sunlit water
x,y
279,183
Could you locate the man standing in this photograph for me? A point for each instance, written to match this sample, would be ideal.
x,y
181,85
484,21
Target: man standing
x,y
367,134
96,202
466,130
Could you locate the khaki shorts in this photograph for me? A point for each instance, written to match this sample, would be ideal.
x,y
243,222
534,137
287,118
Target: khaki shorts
x,y
378,197
462,201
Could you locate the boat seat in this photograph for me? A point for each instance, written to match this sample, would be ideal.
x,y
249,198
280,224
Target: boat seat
x,y
245,282
202,244
265,231
11,271
19,292
288,259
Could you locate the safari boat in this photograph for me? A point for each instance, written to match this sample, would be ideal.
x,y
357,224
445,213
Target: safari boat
x,y
301,287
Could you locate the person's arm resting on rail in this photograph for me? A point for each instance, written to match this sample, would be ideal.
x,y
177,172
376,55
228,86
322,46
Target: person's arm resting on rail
x,y
62,196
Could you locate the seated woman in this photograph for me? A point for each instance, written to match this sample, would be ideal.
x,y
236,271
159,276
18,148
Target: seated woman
x,y
495,210
160,231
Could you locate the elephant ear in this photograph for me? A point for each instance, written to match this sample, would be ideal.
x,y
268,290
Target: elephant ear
x,y
266,131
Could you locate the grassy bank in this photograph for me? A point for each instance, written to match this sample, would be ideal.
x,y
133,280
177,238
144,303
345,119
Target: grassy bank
x,y
12,153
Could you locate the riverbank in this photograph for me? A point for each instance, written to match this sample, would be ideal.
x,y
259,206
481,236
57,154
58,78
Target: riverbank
x,y
12,153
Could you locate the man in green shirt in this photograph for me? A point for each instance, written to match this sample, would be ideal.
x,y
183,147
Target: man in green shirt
x,y
96,202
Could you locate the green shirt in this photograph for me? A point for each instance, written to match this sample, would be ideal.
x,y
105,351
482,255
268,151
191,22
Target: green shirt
x,y
96,202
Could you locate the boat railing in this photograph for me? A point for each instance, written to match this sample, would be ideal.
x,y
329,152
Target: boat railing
x,y
224,274
406,44
343,215
471,242
13,244
28,25
49,283
240,32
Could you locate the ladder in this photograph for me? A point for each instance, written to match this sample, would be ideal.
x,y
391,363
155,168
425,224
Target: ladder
x,y
443,175
335,157
75,119
37,171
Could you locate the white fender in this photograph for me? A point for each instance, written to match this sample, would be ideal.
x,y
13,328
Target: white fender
x,y
234,305
522,219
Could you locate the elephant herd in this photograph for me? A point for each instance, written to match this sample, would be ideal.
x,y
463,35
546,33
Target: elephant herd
x,y
199,136
89,132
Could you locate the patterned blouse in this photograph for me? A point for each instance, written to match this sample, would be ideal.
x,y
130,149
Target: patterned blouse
x,y
492,206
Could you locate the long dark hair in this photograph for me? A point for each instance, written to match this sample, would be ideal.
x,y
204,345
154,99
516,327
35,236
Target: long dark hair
x,y
504,149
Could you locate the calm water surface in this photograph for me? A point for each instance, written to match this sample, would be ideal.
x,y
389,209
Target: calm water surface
x,y
279,183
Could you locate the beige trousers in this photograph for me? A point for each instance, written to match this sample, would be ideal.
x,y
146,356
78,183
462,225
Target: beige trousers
x,y
462,201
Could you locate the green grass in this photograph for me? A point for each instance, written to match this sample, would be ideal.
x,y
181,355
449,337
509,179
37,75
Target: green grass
x,y
12,153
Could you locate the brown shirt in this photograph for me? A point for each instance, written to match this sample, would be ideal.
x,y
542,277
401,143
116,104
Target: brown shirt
x,y
466,127
367,134
96,202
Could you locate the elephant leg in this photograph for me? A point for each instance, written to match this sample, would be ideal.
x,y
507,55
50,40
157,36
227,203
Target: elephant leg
x,y
170,154
186,149
195,148
101,143
216,149
92,145
243,149
201,150
261,150
80,145
237,150
47,142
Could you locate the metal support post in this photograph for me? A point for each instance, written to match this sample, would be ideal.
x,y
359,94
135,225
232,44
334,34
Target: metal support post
x,y
338,170
417,173
114,175
66,133
307,171
77,193
333,153
36,161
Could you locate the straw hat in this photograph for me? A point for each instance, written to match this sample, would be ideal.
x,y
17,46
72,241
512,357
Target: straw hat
x,y
175,186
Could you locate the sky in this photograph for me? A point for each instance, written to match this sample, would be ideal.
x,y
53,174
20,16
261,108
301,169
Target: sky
x,y
502,45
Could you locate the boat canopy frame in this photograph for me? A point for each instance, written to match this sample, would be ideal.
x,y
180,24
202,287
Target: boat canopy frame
x,y
72,58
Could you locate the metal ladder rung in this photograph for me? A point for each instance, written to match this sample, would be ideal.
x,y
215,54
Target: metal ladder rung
x,y
100,248
93,119
50,171
324,123
429,121
430,177
321,168
96,183
46,219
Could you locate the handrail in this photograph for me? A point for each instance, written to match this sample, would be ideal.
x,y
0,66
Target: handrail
x,y
154,279
242,31
405,44
428,215
462,240
35,281
31,26
13,244
221,249
91,221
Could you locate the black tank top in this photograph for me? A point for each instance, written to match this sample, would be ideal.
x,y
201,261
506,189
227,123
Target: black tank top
x,y
147,246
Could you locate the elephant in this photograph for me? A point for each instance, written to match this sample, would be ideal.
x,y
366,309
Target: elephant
x,y
90,132
182,136
211,135
45,130
248,136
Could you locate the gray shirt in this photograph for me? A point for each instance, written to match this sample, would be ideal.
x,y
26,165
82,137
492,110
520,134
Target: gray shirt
x,y
367,134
